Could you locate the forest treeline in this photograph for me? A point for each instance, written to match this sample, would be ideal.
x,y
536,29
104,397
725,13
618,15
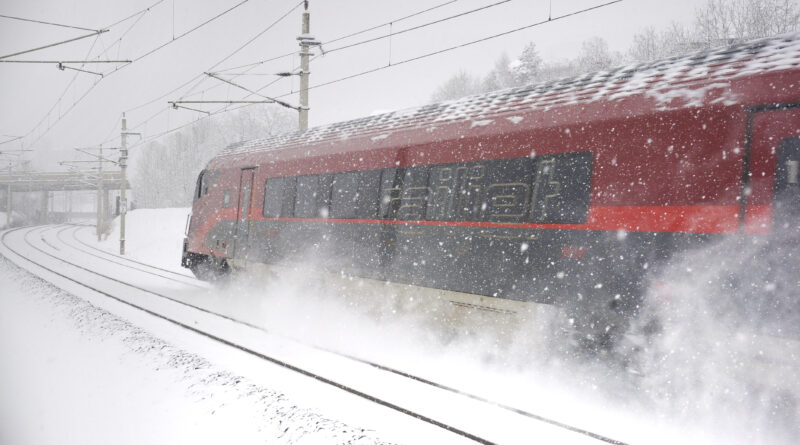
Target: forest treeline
x,y
165,170
716,23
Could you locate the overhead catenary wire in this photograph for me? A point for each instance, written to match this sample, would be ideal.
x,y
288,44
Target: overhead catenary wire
x,y
46,23
279,102
202,76
72,81
422,56
353,34
253,65
461,14
190,30
142,12
54,44
414,28
105,75
65,61
473,42
58,101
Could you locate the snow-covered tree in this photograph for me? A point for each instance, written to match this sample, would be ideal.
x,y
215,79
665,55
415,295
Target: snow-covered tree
x,y
501,76
649,44
723,21
528,68
459,85
165,170
595,55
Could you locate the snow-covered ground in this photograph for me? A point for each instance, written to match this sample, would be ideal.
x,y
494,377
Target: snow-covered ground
x,y
72,372
4,219
154,236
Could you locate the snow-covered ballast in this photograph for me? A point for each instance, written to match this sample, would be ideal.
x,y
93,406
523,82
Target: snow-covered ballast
x,y
565,193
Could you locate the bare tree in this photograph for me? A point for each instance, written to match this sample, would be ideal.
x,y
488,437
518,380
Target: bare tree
x,y
649,44
595,55
459,85
528,68
501,76
726,21
165,171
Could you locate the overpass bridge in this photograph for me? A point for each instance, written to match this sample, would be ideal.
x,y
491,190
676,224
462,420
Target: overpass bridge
x,y
43,183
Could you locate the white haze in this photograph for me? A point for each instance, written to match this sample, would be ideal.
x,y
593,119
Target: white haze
x,y
701,380
726,359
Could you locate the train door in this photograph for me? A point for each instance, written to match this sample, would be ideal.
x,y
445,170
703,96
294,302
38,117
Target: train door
x,y
771,198
242,228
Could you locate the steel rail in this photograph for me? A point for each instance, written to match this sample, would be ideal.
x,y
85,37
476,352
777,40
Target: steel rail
x,y
191,281
229,343
409,376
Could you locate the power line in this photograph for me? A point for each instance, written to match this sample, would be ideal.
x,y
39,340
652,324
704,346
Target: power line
x,y
118,42
83,62
58,101
393,21
257,35
371,28
414,28
226,109
390,34
423,56
253,65
123,66
54,44
234,52
46,23
202,77
191,30
142,12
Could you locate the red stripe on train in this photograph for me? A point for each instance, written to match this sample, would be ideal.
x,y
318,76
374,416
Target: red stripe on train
x,y
674,219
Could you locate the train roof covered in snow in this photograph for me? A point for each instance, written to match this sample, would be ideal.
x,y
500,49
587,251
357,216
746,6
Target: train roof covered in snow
x,y
722,76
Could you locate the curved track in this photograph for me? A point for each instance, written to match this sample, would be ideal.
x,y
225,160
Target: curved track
x,y
165,294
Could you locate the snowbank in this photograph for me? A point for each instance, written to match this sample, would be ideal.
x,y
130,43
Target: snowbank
x,y
4,219
154,236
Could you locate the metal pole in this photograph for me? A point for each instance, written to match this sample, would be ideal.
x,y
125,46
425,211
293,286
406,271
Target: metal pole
x,y
44,205
306,29
100,195
9,209
123,204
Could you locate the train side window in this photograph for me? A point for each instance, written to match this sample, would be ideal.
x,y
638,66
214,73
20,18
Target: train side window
x,y
344,195
507,190
226,199
201,184
313,196
367,201
469,191
414,195
273,197
287,204
787,182
324,186
561,186
442,185
355,195
391,183
305,205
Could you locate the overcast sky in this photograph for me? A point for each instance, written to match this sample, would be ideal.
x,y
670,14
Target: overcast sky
x,y
29,91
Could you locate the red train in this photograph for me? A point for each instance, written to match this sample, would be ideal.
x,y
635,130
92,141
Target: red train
x,y
566,193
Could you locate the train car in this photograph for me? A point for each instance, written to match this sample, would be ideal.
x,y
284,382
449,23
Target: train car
x,y
563,194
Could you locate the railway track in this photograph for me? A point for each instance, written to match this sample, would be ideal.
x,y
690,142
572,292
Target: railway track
x,y
57,247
